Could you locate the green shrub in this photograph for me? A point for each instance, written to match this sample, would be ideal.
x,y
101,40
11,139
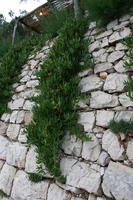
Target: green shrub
x,y
2,194
104,11
10,67
121,126
56,111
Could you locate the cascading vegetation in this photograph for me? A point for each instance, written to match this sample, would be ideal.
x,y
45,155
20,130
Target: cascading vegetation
x,y
56,106
121,126
11,65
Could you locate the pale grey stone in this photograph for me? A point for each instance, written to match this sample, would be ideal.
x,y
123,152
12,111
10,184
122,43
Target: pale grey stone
x,y
126,32
120,46
71,145
1,164
3,117
92,25
22,136
32,83
90,83
28,93
92,197
13,116
104,34
104,117
129,151
16,155
110,143
20,117
98,53
110,49
55,192
114,56
83,177
20,88
13,131
31,160
112,24
119,67
125,100
87,120
33,63
85,73
66,165
24,189
101,99
103,67
24,73
91,149
3,128
104,158
115,82
28,105
94,46
124,18
83,103
3,147
101,58
121,26
6,178
17,104
76,198
115,37
118,181
25,79
124,115
131,19
39,56
104,42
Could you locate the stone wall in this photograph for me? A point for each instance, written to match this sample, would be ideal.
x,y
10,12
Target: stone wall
x,y
100,169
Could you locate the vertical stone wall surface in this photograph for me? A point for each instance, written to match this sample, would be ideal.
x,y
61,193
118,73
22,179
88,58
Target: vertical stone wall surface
x,y
101,169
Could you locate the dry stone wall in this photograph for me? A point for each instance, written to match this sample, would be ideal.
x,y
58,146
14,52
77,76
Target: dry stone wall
x,y
100,169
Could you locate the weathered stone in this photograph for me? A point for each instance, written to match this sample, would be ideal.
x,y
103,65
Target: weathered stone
x,y
87,179
98,53
131,19
28,93
90,83
103,159
71,146
22,136
87,120
55,192
20,88
124,18
110,49
3,128
104,34
110,143
31,164
115,56
16,154
119,67
115,37
39,56
6,178
83,103
20,117
125,100
101,58
85,73
33,63
91,149
101,99
3,147
17,104
92,25
94,46
102,67
112,24
104,117
121,26
28,118
25,79
32,83
13,116
28,105
104,42
126,32
24,189
120,46
118,181
115,82
129,151
76,198
124,115
1,164
13,131
92,197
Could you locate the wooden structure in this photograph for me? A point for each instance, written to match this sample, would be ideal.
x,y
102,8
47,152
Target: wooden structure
x,y
32,19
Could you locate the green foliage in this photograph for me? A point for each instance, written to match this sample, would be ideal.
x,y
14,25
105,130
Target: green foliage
x,y
56,111
103,11
52,22
11,66
121,126
2,194
129,85
35,177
